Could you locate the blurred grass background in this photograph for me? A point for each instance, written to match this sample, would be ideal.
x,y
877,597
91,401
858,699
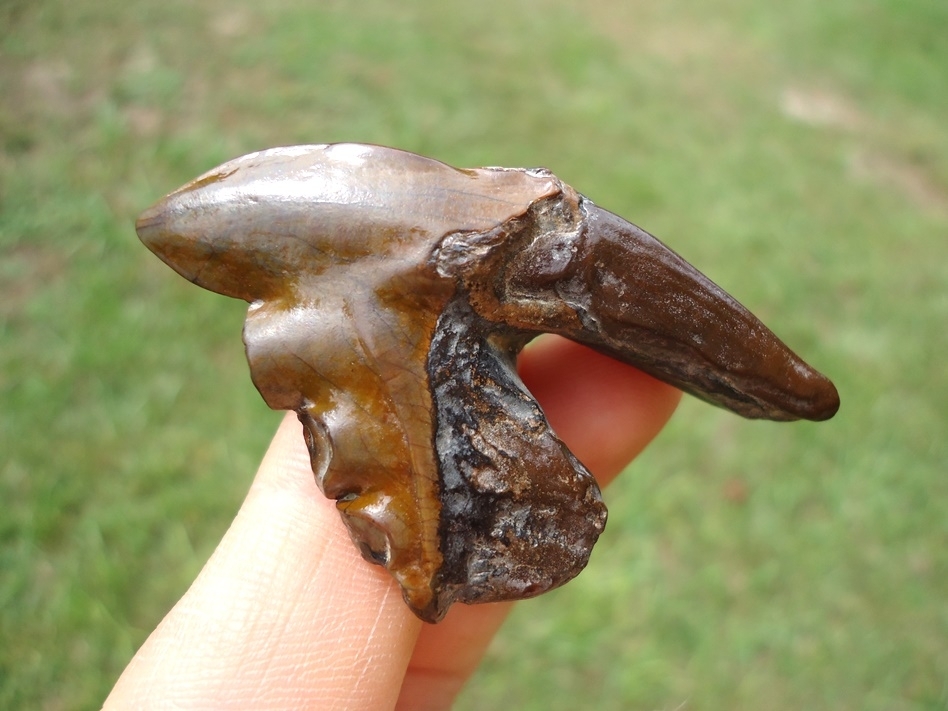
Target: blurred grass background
x,y
796,152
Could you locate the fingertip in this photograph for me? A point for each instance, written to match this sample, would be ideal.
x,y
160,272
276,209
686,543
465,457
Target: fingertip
x,y
604,410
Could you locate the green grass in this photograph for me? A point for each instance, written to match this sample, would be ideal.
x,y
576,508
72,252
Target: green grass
x,y
798,153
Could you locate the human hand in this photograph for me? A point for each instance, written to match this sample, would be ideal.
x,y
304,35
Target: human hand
x,y
286,614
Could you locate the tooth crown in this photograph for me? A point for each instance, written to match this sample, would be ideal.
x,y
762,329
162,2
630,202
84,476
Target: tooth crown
x,y
389,295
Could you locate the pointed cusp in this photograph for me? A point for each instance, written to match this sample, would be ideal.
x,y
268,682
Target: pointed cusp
x,y
649,307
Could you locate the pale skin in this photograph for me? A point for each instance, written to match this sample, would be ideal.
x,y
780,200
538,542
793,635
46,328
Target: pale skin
x,y
286,614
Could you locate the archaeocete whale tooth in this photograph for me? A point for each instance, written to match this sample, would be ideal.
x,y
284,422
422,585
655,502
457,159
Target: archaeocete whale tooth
x,y
390,295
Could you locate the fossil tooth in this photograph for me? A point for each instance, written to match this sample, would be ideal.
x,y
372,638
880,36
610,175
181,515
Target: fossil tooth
x,y
389,296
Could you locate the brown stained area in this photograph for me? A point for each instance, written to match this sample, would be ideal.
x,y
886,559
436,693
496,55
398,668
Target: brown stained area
x,y
389,295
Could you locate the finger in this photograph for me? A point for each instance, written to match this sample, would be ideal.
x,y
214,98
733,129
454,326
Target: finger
x,y
285,614
606,413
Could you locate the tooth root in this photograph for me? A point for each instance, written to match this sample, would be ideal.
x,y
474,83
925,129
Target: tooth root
x,y
520,513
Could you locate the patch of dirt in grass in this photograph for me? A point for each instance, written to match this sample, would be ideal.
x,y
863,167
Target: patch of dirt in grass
x,y
913,182
816,107
821,108
26,270
231,23
41,91
638,29
46,82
